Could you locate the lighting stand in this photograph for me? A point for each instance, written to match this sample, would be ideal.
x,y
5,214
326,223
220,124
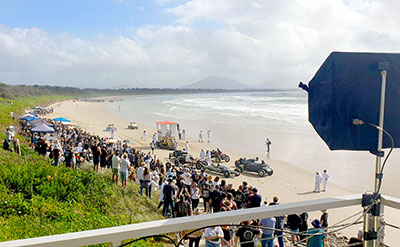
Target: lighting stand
x,y
373,219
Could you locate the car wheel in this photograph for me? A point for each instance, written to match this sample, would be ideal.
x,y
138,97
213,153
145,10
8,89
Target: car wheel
x,y
237,172
227,174
227,158
241,169
270,172
261,173
237,163
199,166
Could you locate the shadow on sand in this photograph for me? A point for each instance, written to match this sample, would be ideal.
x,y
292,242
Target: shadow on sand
x,y
305,193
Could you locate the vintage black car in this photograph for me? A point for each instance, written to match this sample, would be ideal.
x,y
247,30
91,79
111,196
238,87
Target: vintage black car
x,y
180,157
227,172
254,165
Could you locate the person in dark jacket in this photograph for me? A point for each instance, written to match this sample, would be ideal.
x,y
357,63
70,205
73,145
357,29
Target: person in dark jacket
x,y
303,226
294,221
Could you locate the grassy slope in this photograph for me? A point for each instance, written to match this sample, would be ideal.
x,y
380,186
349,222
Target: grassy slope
x,y
38,199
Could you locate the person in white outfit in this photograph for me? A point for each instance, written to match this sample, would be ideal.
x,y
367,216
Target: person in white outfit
x,y
201,136
318,180
325,177
144,135
202,155
187,146
209,157
208,135
140,173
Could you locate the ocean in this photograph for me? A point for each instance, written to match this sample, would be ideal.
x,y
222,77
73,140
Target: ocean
x,y
241,121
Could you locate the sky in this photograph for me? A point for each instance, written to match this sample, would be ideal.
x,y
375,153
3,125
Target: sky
x,y
171,43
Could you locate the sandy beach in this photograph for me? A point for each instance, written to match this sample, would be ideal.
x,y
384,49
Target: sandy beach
x,y
289,182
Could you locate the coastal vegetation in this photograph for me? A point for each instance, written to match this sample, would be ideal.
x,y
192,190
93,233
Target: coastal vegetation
x,y
13,91
38,199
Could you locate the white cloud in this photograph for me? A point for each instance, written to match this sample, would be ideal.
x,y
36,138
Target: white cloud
x,y
283,41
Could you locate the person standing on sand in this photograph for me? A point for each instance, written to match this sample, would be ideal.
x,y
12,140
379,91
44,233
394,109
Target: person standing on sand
x,y
294,221
246,234
213,236
318,180
324,219
325,177
201,136
152,147
278,224
267,238
209,157
144,135
168,197
202,155
209,136
317,238
268,145
187,147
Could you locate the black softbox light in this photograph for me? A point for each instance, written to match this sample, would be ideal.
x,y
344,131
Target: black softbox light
x,y
348,86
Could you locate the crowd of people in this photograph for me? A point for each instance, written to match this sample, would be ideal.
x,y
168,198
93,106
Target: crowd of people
x,y
183,190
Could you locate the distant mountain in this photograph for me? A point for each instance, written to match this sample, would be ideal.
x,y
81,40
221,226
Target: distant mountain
x,y
213,82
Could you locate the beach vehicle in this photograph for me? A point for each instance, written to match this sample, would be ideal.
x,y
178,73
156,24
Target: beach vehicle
x,y
166,132
180,157
254,165
218,168
177,153
133,126
219,156
111,127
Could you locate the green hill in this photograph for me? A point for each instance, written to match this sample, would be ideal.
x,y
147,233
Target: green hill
x,y
38,199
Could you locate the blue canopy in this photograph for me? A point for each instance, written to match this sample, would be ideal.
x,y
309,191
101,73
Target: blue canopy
x,y
348,86
31,119
43,128
61,119
26,116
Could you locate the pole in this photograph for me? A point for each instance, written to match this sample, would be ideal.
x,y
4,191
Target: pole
x,y
380,132
372,222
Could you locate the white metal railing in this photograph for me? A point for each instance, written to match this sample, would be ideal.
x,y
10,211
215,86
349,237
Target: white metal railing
x,y
114,235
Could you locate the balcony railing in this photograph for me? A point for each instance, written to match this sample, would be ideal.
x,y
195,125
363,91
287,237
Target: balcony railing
x,y
115,235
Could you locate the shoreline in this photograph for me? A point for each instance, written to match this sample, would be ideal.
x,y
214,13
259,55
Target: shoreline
x,y
290,183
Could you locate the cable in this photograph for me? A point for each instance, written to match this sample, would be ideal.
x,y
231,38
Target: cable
x,y
356,121
391,225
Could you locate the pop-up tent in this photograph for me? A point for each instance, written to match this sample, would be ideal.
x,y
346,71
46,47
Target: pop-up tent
x,y
61,119
42,128
39,122
27,116
348,86
31,119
